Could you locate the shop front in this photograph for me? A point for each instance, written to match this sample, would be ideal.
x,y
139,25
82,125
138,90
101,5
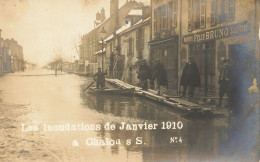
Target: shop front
x,y
210,47
167,52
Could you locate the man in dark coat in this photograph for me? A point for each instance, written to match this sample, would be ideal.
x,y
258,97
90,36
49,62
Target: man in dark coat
x,y
99,77
224,82
144,73
160,75
190,78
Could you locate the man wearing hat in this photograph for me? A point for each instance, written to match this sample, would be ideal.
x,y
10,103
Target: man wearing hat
x,y
224,81
190,78
99,77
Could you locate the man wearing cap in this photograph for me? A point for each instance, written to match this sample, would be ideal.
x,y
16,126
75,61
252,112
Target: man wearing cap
x,y
160,75
224,81
190,78
99,77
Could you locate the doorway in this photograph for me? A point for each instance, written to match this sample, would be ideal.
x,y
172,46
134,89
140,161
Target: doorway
x,y
238,55
203,55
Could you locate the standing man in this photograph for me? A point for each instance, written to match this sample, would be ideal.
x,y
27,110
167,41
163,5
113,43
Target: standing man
x,y
224,82
99,77
190,78
144,74
160,75
56,70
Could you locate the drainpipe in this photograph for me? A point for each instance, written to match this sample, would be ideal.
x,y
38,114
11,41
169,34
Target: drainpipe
x,y
180,46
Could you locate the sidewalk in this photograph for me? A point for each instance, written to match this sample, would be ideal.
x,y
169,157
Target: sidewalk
x,y
174,102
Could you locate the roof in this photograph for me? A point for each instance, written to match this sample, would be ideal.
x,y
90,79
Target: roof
x,y
123,28
100,51
109,38
138,24
135,12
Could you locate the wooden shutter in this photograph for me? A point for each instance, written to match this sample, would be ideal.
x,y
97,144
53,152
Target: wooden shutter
x,y
213,12
189,15
231,10
175,9
202,13
169,15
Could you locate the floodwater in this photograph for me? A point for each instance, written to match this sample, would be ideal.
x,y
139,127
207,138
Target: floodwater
x,y
65,124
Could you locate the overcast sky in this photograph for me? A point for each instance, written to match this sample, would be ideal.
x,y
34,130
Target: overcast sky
x,y
45,26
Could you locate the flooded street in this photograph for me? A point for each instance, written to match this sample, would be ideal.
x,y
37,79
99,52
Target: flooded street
x,y
50,118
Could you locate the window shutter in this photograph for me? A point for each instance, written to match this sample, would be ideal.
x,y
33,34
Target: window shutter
x,y
169,15
175,8
202,13
213,13
231,10
189,15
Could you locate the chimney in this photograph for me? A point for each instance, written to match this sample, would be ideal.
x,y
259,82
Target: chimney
x,y
97,16
102,15
113,7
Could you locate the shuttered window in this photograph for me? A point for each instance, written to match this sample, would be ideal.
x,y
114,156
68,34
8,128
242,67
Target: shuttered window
x,y
202,13
231,10
163,18
189,15
169,15
175,9
213,12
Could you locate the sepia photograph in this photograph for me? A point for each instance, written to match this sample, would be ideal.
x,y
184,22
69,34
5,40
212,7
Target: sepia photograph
x,y
129,80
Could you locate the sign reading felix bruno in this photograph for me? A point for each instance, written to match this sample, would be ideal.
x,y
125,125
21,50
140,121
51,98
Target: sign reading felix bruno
x,y
218,33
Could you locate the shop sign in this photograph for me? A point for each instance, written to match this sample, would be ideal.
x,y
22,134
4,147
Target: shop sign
x,y
218,33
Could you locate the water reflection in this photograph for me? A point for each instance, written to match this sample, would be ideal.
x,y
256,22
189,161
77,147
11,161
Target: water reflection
x,y
220,139
125,106
202,140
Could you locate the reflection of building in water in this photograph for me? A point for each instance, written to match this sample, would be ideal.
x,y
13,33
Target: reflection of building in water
x,y
210,136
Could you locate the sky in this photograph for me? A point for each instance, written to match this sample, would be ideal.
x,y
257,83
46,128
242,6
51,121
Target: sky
x,y
47,27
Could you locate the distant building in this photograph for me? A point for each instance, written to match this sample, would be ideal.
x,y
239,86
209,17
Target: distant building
x,y
1,55
13,54
90,50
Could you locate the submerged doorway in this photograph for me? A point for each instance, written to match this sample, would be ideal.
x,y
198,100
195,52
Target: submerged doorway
x,y
204,56
238,55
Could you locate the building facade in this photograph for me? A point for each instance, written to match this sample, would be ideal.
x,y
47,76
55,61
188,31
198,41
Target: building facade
x,y
165,39
92,41
216,30
1,55
209,32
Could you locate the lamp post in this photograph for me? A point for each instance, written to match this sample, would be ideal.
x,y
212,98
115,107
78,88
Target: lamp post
x,y
102,35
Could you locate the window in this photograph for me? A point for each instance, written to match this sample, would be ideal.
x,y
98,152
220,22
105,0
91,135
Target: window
x,y
189,15
231,10
163,17
140,38
196,14
157,20
111,47
224,10
130,47
202,13
213,12
169,15
175,8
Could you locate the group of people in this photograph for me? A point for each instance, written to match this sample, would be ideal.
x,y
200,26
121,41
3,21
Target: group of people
x,y
157,73
190,78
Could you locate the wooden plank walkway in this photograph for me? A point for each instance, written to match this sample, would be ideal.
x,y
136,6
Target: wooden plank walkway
x,y
151,94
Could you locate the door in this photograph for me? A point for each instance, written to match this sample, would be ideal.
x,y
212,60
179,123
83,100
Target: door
x,y
203,55
238,55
